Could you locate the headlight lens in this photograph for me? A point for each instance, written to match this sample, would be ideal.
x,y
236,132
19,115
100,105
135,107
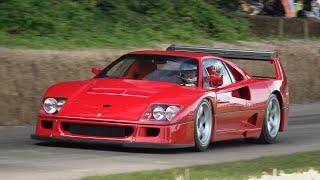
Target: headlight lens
x,y
171,112
158,113
164,112
53,105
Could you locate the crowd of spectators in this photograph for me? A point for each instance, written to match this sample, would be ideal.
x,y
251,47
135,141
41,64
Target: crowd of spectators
x,y
288,8
311,8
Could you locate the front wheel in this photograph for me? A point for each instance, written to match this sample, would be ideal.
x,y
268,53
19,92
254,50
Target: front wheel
x,y
203,126
271,124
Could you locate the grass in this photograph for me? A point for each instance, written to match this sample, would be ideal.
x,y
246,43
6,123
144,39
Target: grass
x,y
233,170
115,23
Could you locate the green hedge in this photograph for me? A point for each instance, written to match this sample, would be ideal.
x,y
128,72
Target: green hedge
x,y
100,23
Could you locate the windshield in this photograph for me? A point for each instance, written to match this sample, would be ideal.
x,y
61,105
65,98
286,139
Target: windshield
x,y
170,69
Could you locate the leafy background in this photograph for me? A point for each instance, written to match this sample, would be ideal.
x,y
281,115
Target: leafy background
x,y
117,23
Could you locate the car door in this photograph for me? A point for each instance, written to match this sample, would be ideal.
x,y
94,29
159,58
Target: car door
x,y
230,109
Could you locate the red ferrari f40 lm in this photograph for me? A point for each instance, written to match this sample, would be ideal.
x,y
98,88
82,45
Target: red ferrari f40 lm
x,y
186,96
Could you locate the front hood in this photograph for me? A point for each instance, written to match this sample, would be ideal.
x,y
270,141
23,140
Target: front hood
x,y
121,99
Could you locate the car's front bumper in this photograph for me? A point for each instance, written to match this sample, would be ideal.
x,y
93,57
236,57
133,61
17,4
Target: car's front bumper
x,y
110,142
167,136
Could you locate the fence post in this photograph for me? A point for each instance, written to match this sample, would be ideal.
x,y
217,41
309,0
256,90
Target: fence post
x,y
281,27
305,29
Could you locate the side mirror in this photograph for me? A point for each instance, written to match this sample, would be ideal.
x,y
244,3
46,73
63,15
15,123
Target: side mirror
x,y
216,80
95,70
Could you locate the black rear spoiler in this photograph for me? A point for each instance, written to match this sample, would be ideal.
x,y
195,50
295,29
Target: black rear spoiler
x,y
227,53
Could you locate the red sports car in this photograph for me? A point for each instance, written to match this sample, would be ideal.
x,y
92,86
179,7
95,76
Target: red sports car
x,y
185,96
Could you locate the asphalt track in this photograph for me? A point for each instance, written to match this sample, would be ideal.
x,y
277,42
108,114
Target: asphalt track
x,y
23,158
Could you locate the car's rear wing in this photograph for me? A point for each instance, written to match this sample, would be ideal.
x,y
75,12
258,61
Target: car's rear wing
x,y
227,53
251,55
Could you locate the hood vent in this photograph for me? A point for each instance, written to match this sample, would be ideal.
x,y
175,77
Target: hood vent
x,y
108,90
106,105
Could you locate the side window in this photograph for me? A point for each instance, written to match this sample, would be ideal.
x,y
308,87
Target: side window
x,y
227,78
229,73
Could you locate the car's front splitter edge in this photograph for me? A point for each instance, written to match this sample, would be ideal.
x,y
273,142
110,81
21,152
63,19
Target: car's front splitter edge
x,y
109,142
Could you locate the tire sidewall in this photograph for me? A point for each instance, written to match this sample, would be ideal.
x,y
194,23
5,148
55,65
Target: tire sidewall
x,y
265,135
198,145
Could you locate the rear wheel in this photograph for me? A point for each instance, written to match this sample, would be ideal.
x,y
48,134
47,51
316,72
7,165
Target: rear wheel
x,y
271,124
203,126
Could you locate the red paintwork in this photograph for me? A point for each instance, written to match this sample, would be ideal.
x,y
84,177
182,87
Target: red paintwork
x,y
234,117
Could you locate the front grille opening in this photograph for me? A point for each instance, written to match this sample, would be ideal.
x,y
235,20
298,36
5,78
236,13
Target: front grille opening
x,y
153,132
47,124
97,130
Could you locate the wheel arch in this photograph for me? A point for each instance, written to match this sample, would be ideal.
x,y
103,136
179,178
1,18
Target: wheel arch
x,y
212,101
213,105
283,118
279,96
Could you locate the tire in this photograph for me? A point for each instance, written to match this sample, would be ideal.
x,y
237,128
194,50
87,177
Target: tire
x,y
272,120
203,126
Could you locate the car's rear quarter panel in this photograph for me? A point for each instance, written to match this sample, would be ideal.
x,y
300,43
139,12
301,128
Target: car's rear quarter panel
x,y
280,89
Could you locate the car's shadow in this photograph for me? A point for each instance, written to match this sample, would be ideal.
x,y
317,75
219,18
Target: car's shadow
x,y
117,148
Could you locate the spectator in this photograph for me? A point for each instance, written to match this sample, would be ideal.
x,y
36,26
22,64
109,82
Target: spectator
x,y
252,7
310,8
263,7
318,3
315,4
274,8
256,6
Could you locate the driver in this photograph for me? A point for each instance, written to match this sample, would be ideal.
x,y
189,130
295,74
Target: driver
x,y
189,73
